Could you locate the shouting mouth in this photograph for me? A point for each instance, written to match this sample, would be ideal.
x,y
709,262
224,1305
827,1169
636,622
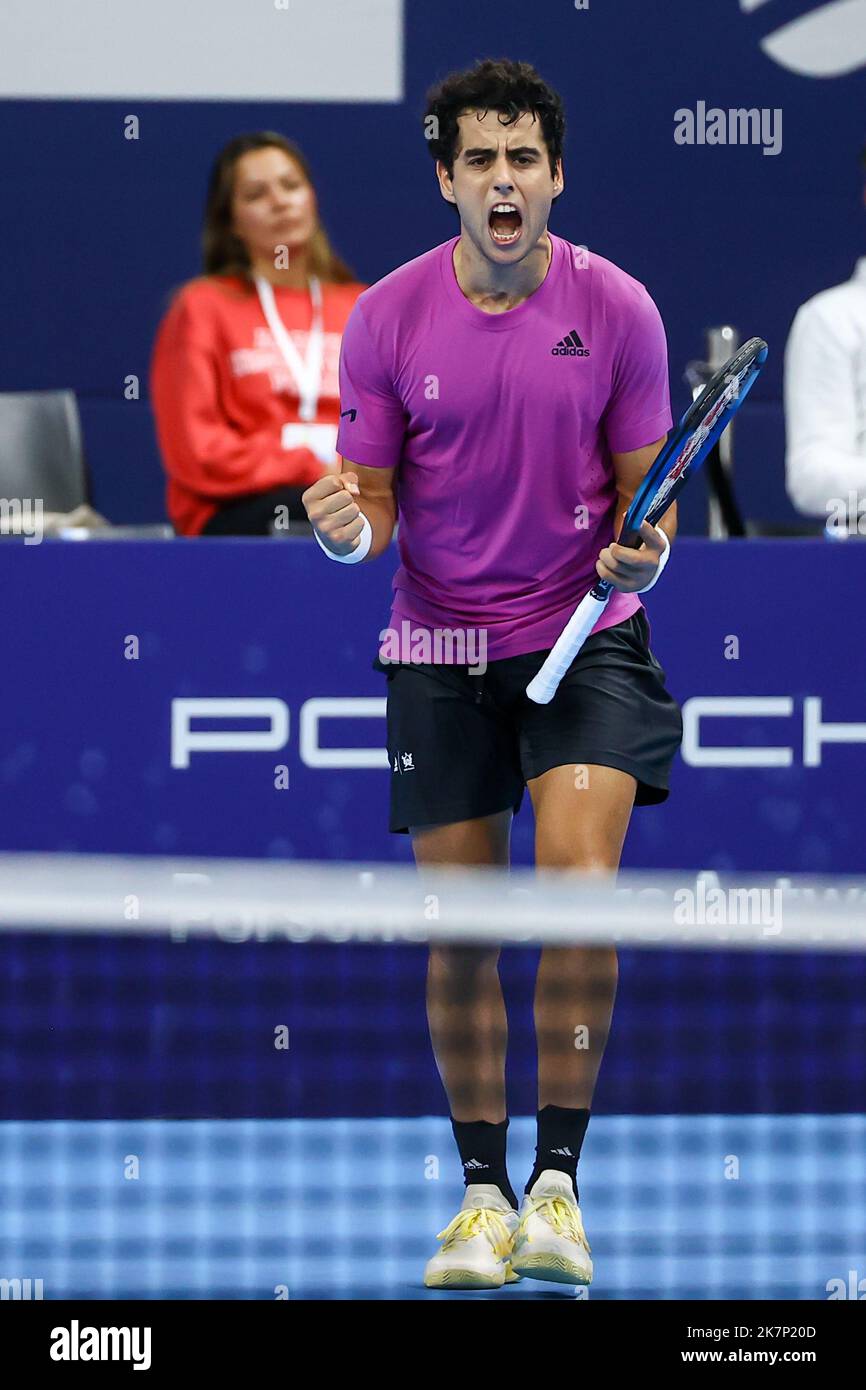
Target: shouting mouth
x,y
505,224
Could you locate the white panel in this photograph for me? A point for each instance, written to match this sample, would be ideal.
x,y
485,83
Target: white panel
x,y
829,42
199,50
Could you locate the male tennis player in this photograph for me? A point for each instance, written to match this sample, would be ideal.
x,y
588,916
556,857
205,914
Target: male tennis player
x,y
504,394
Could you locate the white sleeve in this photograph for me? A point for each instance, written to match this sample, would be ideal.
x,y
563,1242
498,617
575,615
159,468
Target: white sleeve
x,y
824,458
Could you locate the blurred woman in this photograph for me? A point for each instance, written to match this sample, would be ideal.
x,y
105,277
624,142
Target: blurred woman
x,y
244,379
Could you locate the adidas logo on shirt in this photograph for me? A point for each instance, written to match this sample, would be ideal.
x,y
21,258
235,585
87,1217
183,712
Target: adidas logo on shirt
x,y
570,346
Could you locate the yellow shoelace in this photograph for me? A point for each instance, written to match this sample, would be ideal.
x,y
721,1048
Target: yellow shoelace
x,y
473,1221
561,1215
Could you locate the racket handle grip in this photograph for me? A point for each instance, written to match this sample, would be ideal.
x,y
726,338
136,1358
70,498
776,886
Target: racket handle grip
x,y
544,685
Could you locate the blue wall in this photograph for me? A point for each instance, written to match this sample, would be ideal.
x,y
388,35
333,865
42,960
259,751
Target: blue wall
x,y
112,1028
98,230
86,745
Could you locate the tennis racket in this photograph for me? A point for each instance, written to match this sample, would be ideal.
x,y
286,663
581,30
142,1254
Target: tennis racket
x,y
696,434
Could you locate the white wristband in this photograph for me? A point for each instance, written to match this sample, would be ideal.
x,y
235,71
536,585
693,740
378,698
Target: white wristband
x,y
361,549
663,559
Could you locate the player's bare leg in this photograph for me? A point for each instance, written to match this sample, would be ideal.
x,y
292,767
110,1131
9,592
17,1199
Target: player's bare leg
x,y
469,1030
581,819
465,1007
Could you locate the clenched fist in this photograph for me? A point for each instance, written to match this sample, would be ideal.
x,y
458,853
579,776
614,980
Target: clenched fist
x,y
332,511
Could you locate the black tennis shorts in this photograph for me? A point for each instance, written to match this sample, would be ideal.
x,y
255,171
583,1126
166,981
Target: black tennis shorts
x,y
463,746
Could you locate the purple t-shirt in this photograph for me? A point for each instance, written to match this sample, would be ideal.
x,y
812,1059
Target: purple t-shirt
x,y
501,428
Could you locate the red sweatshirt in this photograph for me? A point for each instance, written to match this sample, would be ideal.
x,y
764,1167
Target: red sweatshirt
x,y
221,393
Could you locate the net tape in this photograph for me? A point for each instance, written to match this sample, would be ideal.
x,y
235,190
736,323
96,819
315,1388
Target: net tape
x,y
240,900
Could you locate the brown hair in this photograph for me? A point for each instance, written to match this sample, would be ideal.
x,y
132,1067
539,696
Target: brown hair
x,y
223,252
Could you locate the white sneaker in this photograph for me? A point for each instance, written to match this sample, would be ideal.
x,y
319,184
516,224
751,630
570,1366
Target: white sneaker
x,y
476,1245
550,1242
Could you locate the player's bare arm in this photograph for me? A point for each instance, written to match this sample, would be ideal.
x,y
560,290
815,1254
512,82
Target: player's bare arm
x,y
631,570
337,504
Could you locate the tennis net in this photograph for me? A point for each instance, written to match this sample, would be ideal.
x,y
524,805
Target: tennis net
x,y
216,1078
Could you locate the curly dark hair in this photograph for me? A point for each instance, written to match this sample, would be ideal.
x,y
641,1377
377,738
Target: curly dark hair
x,y
512,89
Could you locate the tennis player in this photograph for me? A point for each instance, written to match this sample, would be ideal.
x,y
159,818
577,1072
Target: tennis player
x,y
503,395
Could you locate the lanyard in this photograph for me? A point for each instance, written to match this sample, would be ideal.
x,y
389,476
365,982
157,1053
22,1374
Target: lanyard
x,y
307,373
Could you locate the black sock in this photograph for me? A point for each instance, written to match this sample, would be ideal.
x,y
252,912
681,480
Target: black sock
x,y
560,1137
482,1153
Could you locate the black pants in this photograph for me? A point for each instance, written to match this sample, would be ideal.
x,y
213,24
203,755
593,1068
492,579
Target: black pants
x,y
254,514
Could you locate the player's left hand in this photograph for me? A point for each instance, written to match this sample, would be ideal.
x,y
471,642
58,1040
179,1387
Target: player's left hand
x,y
630,570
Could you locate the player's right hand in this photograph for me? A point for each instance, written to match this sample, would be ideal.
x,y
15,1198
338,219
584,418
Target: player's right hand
x,y
334,513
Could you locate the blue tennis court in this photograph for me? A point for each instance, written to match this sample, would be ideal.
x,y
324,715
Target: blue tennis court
x,y
342,1208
